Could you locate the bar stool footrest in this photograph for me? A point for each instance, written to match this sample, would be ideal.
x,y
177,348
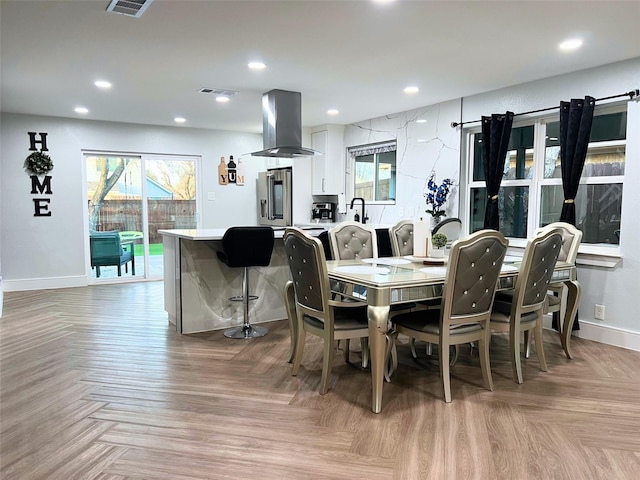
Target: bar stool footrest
x,y
240,298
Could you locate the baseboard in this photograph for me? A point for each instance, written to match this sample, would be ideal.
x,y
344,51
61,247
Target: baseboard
x,y
44,283
607,334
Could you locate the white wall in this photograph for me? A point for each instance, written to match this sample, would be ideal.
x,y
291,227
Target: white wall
x,y
49,252
615,288
421,148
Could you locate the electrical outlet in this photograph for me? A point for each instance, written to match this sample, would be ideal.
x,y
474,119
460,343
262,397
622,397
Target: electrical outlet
x,y
599,313
211,196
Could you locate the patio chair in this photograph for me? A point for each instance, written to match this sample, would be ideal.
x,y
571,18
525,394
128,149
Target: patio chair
x,y
107,251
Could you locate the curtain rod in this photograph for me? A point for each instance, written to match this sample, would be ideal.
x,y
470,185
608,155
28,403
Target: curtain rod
x,y
631,94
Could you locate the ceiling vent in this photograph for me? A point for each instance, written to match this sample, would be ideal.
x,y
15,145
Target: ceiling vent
x,y
218,92
130,8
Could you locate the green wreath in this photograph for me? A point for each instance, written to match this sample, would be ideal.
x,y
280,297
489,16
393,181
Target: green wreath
x,y
38,163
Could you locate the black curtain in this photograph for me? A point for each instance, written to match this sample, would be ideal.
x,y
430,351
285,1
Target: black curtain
x,y
496,131
576,118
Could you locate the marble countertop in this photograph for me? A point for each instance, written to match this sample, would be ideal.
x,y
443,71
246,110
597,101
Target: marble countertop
x,y
218,233
313,229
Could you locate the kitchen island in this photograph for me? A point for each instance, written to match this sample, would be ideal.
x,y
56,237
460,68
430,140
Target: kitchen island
x,y
197,286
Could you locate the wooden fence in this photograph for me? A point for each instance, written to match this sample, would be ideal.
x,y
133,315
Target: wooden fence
x,y
126,215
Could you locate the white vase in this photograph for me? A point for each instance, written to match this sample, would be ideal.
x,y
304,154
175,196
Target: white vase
x,y
435,221
437,253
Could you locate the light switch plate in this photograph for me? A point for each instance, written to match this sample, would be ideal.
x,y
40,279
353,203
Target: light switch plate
x,y
211,196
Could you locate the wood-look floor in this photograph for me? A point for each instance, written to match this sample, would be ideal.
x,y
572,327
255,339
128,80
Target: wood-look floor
x,y
95,384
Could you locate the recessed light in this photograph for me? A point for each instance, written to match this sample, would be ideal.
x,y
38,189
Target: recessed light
x,y
257,66
81,110
570,44
179,120
222,99
411,90
421,120
102,84
422,140
333,111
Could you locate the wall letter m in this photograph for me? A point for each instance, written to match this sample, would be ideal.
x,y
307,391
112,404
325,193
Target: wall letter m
x,y
44,187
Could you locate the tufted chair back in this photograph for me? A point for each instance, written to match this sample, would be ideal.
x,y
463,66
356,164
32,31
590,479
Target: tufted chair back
x,y
308,268
401,235
351,240
537,267
472,276
571,238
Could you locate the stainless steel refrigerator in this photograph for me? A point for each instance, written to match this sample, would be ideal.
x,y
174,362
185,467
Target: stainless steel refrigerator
x,y
274,197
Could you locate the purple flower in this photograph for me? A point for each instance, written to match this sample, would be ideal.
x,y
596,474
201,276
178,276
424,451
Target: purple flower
x,y
436,195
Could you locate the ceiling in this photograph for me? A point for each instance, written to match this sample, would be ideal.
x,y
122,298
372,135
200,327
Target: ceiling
x,y
354,56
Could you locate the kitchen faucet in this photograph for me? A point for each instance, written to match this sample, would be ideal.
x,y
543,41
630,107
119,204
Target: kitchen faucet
x,y
364,215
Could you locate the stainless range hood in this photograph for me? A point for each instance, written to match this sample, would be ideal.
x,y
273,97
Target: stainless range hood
x,y
282,126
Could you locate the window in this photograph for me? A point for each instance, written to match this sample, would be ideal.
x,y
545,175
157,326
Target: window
x,y
531,193
375,172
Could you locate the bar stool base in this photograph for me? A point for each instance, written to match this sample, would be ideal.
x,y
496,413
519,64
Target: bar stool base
x,y
246,331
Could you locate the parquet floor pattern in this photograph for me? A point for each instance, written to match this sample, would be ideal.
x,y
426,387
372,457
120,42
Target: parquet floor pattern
x,y
95,384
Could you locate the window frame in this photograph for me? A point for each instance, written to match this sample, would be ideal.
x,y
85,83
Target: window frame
x,y
537,181
356,151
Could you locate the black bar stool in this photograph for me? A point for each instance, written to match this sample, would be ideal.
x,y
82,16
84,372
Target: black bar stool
x,y
246,247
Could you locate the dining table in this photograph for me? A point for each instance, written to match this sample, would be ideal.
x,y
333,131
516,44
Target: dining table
x,y
386,281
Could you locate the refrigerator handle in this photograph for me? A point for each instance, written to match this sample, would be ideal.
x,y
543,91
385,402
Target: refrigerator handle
x,y
270,199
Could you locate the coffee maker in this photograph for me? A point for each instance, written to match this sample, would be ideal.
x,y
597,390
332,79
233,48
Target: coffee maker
x,y
323,212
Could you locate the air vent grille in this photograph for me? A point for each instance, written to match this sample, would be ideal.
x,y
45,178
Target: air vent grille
x,y
218,92
130,8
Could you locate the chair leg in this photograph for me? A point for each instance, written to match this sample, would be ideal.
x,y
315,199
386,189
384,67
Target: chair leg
x,y
539,348
527,343
347,349
364,347
97,272
119,270
514,342
327,361
297,360
412,345
391,356
290,303
133,263
485,360
443,354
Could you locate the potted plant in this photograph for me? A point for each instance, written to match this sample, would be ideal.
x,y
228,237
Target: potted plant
x,y
439,241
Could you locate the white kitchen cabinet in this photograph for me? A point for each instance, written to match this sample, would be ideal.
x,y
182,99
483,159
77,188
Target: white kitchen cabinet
x,y
328,174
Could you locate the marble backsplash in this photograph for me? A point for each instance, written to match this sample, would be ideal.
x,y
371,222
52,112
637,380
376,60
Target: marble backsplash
x,y
426,142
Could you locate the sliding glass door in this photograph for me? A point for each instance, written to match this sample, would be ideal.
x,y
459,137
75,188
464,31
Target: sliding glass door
x,y
130,198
